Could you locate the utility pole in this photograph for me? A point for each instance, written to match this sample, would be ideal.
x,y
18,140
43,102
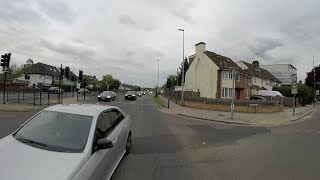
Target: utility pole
x,y
60,83
314,83
72,88
157,80
182,81
233,91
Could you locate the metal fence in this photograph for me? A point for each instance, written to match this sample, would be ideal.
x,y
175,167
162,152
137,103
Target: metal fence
x,y
37,97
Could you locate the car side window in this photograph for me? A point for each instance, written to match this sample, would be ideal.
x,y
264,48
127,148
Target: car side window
x,y
103,127
115,116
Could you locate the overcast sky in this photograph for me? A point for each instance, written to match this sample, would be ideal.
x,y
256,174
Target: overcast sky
x,y
126,37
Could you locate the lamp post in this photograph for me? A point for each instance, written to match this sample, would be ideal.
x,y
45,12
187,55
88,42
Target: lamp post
x,y
157,80
182,81
233,69
72,88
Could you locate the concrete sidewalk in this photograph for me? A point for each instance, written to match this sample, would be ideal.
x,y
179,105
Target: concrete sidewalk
x,y
260,119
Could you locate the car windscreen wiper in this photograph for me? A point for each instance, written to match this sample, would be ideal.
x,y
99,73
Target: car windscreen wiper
x,y
27,141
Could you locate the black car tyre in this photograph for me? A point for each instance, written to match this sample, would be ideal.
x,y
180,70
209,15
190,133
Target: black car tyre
x,y
128,144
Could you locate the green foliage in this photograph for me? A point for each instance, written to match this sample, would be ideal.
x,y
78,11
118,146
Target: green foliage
x,y
309,81
15,69
284,90
109,83
159,101
90,80
305,93
66,88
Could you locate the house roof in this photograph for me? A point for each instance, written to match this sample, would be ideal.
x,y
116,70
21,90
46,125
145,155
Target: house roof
x,y
191,58
44,69
221,61
259,72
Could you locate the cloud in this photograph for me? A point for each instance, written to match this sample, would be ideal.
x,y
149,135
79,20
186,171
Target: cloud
x,y
263,46
19,13
184,13
57,10
130,22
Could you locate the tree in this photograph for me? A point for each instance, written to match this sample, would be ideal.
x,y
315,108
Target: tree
x,y
29,62
91,80
186,67
309,81
285,90
305,93
109,83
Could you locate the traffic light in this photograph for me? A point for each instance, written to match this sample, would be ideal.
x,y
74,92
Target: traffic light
x,y
67,72
5,60
61,72
168,83
80,75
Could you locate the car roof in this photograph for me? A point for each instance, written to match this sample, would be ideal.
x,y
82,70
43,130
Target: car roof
x,y
82,109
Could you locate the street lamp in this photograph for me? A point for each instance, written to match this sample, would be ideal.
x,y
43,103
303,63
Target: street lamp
x,y
182,81
72,88
157,80
233,69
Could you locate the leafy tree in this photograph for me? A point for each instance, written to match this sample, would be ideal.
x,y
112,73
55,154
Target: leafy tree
x,y
29,62
309,81
91,80
305,93
186,67
285,90
109,83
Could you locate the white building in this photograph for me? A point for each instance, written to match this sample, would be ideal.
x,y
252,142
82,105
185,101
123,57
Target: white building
x,y
281,71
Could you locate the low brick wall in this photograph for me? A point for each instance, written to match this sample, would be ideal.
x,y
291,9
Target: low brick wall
x,y
246,109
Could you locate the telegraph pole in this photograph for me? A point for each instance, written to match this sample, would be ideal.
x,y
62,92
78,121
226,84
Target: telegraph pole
x,y
157,80
314,83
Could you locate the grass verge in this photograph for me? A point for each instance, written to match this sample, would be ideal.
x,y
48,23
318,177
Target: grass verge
x,y
159,101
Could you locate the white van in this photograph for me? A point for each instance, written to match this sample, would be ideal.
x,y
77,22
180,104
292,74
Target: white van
x,y
269,93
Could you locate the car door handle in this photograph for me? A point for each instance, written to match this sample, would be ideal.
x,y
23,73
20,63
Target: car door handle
x,y
115,139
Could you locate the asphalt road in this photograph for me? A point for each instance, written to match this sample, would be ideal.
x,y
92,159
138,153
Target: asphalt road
x,y
171,147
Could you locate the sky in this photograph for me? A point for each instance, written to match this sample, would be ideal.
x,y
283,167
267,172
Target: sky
x,y
125,38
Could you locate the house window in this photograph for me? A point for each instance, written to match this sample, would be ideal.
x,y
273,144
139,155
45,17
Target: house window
x,y
261,82
238,77
267,82
249,80
254,80
248,93
226,75
226,93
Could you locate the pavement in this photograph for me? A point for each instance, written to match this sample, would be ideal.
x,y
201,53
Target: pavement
x,y
257,119
167,146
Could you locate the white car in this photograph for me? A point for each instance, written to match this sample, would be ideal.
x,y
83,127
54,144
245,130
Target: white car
x,y
67,142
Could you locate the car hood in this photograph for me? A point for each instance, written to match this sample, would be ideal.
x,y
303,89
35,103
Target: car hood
x,y
21,161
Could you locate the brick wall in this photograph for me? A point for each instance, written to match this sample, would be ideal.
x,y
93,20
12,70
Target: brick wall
x,y
246,109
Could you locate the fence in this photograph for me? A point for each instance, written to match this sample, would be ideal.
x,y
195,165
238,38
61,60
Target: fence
x,y
193,99
38,97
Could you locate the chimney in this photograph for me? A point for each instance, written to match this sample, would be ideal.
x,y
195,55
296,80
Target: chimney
x,y
255,63
200,47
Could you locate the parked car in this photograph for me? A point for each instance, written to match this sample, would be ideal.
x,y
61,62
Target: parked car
x,y
258,98
107,96
67,142
130,95
269,93
55,89
83,90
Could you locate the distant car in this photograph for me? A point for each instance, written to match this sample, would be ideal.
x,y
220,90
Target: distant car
x,y
139,93
130,95
66,142
258,98
83,90
55,89
143,93
107,96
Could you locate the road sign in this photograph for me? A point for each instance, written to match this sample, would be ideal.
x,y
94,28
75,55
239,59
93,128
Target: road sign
x,y
294,86
78,85
317,92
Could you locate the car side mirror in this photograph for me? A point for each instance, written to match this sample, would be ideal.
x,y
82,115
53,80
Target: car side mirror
x,y
104,144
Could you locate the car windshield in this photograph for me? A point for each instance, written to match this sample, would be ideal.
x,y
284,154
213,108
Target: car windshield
x,y
131,92
56,131
106,93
